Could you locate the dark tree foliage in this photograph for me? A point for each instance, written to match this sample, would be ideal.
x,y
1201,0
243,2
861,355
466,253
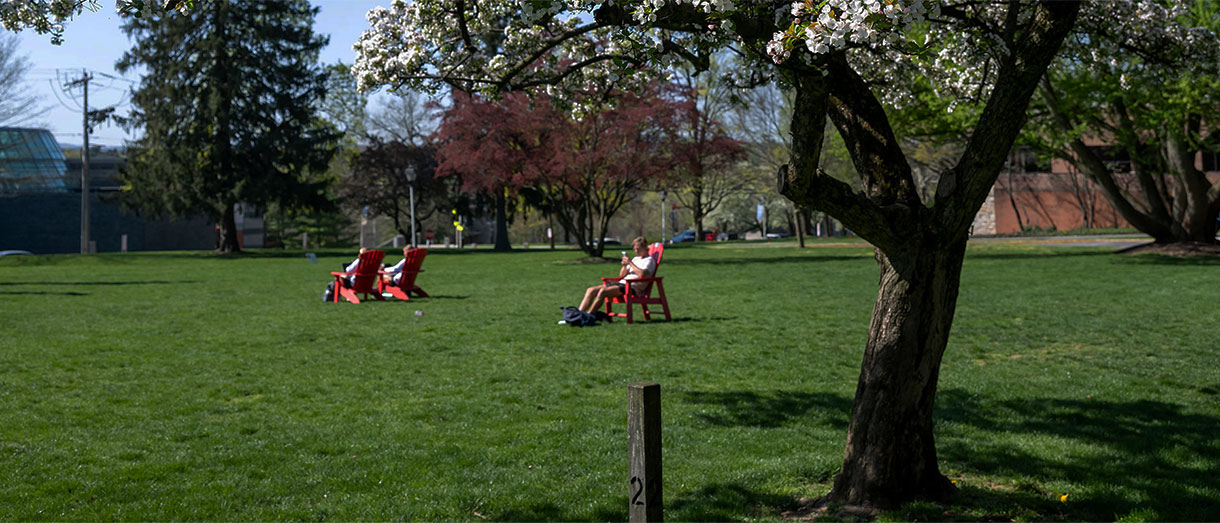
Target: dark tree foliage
x,y
379,180
228,109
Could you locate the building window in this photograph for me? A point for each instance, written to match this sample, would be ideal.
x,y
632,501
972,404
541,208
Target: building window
x,y
1025,160
1115,157
1211,161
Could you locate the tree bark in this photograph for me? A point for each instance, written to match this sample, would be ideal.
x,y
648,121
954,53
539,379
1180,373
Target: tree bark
x,y
222,167
227,242
502,243
891,454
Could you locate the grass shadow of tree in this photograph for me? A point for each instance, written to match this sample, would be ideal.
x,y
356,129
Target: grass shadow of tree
x,y
42,293
1056,253
549,511
107,283
1161,259
770,409
1143,450
724,502
764,260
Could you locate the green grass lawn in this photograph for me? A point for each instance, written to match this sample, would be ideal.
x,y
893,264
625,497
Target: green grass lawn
x,y
171,386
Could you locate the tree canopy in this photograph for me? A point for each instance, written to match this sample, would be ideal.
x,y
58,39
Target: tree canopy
x,y
228,110
579,170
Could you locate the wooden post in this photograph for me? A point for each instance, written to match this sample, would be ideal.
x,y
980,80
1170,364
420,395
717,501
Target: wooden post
x,y
644,439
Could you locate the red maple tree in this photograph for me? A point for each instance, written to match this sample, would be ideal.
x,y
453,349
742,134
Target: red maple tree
x,y
579,170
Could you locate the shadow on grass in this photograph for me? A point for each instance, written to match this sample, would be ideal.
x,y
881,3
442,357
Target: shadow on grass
x,y
772,408
658,318
43,293
1161,259
725,502
1140,455
1058,253
150,282
548,511
716,502
765,260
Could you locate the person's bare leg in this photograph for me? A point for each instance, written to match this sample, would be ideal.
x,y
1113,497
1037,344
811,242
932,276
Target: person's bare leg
x,y
607,291
590,293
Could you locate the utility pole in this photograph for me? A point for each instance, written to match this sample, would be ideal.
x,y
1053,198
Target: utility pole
x,y
84,158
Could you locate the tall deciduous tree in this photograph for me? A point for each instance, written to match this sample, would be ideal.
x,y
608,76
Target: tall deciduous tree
x,y
18,105
228,111
380,180
1151,92
706,157
601,160
579,170
838,56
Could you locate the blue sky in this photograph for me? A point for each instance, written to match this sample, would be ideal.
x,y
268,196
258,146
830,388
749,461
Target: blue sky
x,y
93,41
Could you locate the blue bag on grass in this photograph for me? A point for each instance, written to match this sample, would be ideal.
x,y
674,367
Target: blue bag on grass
x,y
575,317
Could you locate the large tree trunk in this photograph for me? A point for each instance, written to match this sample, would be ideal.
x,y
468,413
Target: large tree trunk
x,y
502,243
890,457
227,242
891,453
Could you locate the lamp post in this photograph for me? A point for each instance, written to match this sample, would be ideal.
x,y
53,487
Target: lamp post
x,y
411,189
662,216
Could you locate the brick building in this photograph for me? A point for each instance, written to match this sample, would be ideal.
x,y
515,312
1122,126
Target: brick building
x,y
1053,195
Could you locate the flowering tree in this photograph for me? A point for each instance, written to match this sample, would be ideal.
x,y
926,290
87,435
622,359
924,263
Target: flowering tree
x,y
1144,79
48,16
842,57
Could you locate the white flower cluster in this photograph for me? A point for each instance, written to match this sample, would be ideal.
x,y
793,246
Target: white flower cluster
x,y
897,45
826,25
43,16
48,16
646,11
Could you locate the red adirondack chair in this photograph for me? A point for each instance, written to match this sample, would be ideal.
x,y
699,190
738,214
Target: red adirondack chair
x,y
410,270
643,297
365,279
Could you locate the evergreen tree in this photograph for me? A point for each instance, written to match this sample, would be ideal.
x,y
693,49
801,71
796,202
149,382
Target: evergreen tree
x,y
228,109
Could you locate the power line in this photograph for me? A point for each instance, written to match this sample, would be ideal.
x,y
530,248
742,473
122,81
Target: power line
x,y
113,77
61,100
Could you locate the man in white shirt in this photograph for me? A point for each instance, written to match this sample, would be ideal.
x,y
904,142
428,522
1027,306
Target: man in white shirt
x,y
393,274
642,266
351,269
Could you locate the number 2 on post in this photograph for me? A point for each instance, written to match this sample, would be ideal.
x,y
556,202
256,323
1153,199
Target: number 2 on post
x,y
637,486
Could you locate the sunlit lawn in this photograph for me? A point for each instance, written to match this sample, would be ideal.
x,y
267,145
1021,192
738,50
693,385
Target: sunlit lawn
x,y
171,386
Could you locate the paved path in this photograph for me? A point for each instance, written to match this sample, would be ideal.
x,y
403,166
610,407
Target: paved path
x,y
1117,241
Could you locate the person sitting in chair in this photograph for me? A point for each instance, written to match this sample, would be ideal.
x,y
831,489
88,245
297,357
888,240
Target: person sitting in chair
x,y
350,269
642,266
393,274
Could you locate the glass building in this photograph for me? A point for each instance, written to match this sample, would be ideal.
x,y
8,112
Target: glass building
x,y
31,162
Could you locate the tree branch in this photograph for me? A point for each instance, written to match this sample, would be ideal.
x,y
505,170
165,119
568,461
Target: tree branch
x,y
883,222
963,188
865,128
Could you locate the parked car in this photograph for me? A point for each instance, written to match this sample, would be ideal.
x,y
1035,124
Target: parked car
x,y
684,236
778,233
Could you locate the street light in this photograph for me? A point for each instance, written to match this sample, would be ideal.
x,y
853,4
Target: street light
x,y
411,188
662,216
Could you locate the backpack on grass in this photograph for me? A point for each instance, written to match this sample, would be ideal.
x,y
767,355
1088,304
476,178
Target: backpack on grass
x,y
575,317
